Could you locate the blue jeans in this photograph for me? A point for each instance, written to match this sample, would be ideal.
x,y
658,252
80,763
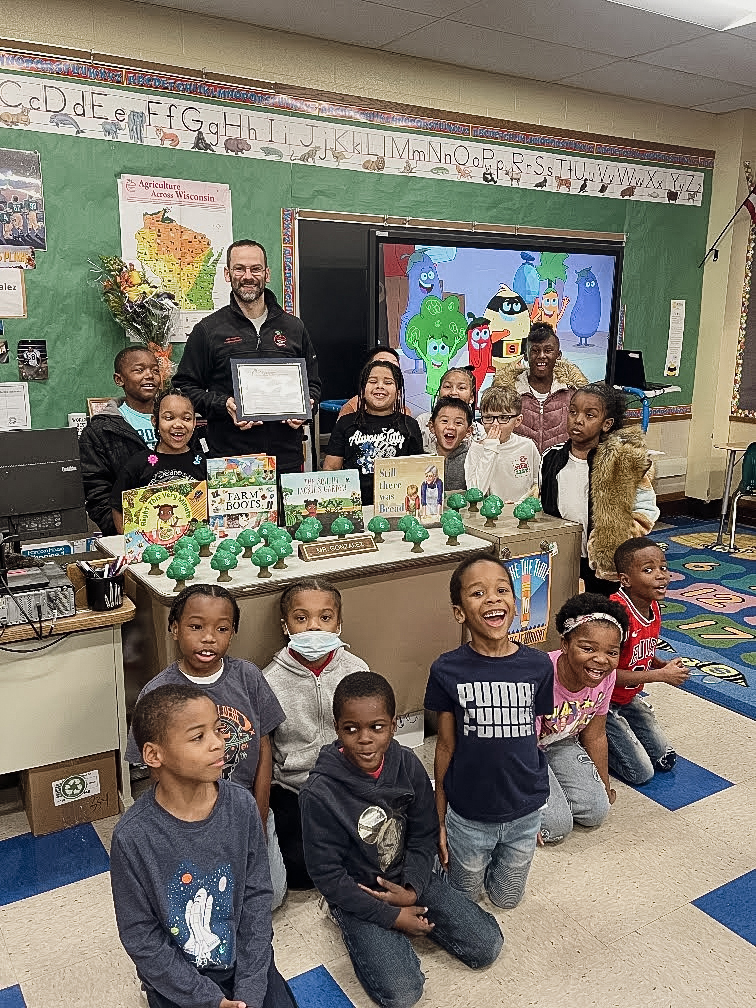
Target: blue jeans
x,y
384,960
576,792
638,747
494,855
275,862
277,995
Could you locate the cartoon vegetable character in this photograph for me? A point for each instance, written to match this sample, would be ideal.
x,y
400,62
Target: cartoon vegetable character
x,y
452,526
417,534
154,555
180,570
263,558
436,335
223,561
378,525
204,537
342,527
473,496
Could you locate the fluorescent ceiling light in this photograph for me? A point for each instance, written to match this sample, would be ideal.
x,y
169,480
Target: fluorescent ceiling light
x,y
720,15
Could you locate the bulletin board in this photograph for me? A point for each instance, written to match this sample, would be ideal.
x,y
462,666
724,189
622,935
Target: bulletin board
x,y
323,155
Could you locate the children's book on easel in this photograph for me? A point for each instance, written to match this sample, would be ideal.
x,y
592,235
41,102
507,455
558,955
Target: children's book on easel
x,y
241,493
413,485
160,514
323,495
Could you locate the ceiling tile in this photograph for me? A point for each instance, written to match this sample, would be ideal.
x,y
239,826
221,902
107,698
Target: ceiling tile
x,y
716,55
436,8
729,104
648,83
595,25
484,49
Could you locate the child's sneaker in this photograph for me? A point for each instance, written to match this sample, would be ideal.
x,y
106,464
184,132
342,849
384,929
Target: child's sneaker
x,y
666,762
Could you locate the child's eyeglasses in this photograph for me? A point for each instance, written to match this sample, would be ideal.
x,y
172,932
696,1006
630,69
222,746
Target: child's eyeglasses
x,y
501,418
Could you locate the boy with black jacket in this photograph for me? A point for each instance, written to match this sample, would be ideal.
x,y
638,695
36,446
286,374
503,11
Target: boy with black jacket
x,y
370,833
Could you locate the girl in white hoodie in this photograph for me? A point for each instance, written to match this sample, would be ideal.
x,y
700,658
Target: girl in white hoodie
x,y
303,677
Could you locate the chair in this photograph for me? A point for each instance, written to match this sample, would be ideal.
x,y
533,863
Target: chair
x,y
746,488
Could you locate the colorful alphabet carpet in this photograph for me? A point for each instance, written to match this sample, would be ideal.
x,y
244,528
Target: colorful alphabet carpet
x,y
709,614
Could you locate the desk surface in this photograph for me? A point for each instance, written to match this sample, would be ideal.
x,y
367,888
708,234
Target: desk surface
x,y
85,619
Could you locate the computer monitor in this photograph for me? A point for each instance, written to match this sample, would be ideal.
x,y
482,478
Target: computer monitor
x,y
41,489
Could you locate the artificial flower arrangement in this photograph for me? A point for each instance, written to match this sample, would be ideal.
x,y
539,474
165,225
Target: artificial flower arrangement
x,y
147,313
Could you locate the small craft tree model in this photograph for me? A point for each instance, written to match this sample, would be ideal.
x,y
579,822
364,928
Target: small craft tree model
x,y
204,537
180,570
378,525
186,542
231,545
224,561
282,548
264,557
524,512
306,533
452,527
456,501
155,555
491,509
417,535
342,527
473,496
248,539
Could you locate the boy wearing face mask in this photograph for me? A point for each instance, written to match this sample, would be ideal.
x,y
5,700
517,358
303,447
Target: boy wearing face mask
x,y
303,676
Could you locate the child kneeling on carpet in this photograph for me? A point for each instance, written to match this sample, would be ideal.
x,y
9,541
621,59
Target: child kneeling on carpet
x,y
637,746
370,834
189,867
573,736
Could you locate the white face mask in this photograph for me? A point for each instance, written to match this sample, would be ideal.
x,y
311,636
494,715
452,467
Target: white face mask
x,y
315,644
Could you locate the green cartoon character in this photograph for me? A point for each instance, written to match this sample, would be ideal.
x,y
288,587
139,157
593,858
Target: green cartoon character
x,y
437,334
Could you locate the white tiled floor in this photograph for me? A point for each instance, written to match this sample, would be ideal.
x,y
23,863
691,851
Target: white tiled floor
x,y
606,920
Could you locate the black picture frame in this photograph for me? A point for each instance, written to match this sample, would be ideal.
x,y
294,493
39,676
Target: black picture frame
x,y
241,368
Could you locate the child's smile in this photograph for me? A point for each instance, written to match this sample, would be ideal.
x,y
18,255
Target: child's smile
x,y
487,607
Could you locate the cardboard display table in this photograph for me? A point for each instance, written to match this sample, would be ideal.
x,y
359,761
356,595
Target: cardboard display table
x,y
397,615
63,697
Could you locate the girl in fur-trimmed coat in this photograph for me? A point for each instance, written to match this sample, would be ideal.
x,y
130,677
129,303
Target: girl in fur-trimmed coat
x,y
602,479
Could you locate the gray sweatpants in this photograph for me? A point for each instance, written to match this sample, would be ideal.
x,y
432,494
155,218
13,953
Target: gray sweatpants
x,y
576,792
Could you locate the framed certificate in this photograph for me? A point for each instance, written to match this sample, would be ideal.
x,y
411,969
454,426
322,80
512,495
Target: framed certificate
x,y
271,389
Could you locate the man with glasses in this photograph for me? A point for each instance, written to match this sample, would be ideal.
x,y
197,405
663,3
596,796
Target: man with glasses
x,y
253,324
504,463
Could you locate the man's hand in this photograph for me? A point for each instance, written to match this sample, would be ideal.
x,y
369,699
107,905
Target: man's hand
x,y
393,894
443,848
296,424
241,424
674,673
412,921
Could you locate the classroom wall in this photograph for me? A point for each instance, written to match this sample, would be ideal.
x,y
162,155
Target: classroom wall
x,y
161,35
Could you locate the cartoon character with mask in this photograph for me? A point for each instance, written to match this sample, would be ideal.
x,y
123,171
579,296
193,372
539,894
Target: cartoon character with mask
x,y
304,675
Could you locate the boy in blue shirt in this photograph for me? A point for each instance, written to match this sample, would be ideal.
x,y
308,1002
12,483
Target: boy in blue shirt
x,y
370,833
189,868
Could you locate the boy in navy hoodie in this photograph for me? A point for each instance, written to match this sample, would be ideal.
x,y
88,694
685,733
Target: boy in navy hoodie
x,y
370,834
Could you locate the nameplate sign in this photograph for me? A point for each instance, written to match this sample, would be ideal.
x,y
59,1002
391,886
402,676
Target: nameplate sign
x,y
325,548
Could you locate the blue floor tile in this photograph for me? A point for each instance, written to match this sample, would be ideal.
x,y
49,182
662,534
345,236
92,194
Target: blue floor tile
x,y
687,783
732,905
32,865
317,989
11,997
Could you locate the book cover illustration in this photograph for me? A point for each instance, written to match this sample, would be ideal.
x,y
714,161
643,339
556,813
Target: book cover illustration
x,y
531,578
413,485
324,495
160,514
241,493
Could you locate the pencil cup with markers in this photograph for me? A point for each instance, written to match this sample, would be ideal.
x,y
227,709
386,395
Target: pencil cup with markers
x,y
104,583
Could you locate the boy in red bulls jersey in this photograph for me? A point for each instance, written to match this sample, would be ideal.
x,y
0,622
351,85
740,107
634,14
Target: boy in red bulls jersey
x,y
638,747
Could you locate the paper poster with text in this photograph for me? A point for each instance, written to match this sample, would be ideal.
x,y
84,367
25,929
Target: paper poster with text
x,y
241,493
177,231
531,577
413,485
322,495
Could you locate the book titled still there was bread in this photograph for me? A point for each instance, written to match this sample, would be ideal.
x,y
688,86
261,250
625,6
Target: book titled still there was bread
x,y
413,485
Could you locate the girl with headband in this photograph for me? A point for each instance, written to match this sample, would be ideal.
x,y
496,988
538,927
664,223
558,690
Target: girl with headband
x,y
573,735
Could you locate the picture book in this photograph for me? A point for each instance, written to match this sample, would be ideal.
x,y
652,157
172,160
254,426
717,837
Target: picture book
x,y
324,495
410,486
241,493
160,514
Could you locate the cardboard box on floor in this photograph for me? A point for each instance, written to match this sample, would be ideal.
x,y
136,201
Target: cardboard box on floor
x,y
70,793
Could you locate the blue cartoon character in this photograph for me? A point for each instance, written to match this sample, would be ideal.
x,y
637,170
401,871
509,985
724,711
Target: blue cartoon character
x,y
585,317
526,281
423,280
435,335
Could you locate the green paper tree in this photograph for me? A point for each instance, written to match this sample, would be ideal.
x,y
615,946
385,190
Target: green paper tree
x,y
186,542
378,525
490,509
264,557
223,561
313,522
473,496
155,555
342,527
280,533
456,501
248,539
417,535
306,533
523,512
204,537
406,522
180,570
231,545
